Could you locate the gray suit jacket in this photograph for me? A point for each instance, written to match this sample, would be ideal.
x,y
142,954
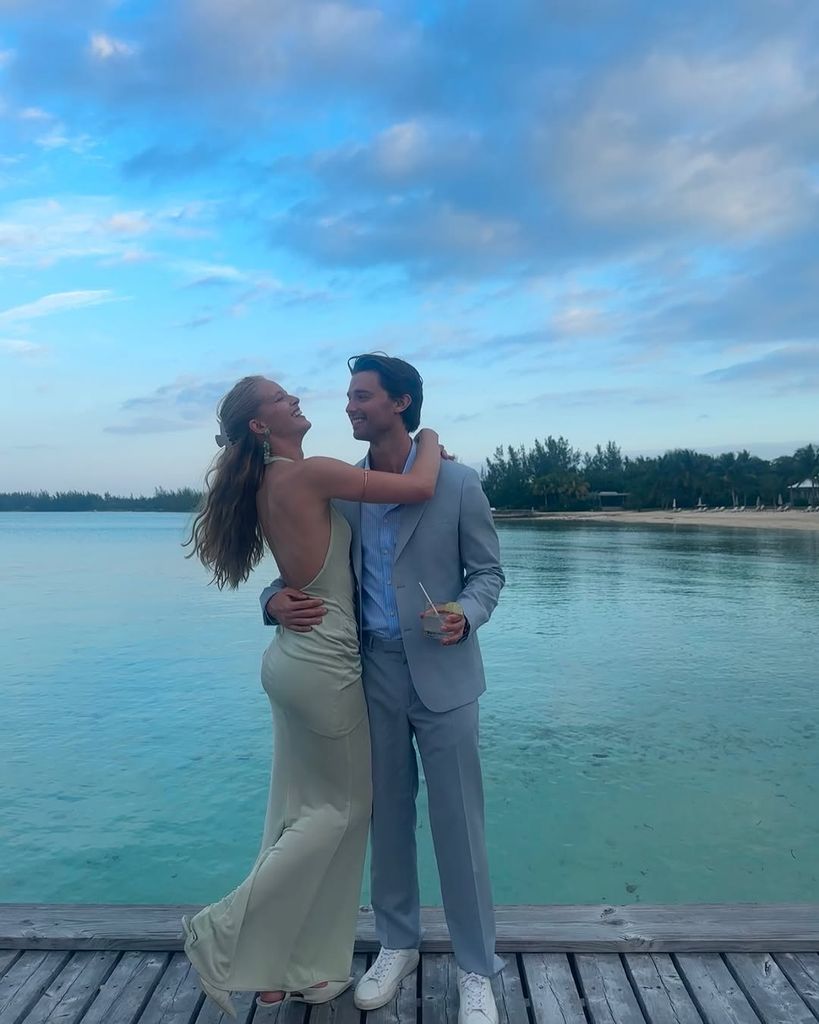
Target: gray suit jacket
x,y
448,543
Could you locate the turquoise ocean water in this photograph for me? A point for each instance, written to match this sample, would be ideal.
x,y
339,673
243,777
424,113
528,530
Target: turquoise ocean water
x,y
649,732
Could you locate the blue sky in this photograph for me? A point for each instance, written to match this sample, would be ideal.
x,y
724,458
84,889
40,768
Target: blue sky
x,y
593,218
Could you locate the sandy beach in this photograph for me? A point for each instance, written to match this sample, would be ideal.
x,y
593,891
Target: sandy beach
x,y
765,520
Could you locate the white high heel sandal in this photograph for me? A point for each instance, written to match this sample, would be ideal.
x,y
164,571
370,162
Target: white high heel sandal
x,y
317,996
313,996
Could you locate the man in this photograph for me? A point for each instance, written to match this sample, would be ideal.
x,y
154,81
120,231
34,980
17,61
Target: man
x,y
418,688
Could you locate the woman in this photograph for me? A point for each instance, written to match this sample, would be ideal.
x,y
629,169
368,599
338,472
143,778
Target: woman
x,y
290,926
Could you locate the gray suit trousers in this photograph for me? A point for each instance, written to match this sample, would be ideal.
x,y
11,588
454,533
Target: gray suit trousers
x,y
448,744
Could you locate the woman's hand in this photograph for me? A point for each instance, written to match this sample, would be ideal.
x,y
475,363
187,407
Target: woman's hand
x,y
427,436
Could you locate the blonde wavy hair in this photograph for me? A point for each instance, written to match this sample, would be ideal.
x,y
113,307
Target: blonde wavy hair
x,y
225,534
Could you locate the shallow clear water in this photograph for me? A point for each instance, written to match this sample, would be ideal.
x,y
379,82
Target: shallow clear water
x,y
649,732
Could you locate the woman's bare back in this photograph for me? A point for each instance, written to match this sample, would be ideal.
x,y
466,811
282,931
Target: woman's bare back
x,y
295,522
293,502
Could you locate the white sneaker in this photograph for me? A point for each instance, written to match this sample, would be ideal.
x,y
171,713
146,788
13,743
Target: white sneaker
x,y
379,985
477,1001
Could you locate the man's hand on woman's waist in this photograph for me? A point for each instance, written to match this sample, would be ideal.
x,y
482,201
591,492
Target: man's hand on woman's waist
x,y
295,610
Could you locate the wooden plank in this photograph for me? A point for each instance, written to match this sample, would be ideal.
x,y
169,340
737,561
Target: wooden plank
x,y
123,996
92,926
74,989
7,958
607,990
660,990
245,1003
802,971
177,998
768,990
636,928
440,999
25,981
507,987
439,989
718,927
287,1012
713,989
343,1010
553,993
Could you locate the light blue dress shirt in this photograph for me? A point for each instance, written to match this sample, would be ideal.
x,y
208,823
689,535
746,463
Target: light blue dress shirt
x,y
379,536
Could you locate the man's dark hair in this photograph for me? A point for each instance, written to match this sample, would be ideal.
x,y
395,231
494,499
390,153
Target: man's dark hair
x,y
397,379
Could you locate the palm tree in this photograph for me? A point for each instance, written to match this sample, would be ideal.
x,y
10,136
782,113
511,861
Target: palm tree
x,y
560,485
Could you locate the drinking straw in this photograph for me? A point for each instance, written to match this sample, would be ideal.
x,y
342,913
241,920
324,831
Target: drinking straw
x,y
432,606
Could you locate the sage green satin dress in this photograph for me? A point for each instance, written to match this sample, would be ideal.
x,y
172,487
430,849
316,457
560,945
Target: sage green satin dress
x,y
291,923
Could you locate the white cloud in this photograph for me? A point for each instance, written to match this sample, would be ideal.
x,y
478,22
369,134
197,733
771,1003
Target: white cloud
x,y
770,77
46,231
695,141
419,153
57,137
683,182
6,57
580,321
211,273
104,47
54,139
133,222
403,148
184,404
35,114
290,42
57,302
40,127
134,256
18,347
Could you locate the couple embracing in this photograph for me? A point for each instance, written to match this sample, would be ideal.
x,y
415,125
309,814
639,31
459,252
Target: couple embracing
x,y
355,684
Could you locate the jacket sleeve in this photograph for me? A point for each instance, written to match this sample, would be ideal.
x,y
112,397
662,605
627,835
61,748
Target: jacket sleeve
x,y
480,554
267,593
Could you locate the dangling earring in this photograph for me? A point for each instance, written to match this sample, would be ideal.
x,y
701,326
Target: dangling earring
x,y
266,445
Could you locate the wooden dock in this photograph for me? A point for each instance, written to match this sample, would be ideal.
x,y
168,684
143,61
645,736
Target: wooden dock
x,y
718,964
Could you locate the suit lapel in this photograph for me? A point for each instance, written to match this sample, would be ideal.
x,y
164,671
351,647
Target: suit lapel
x,y
351,510
409,517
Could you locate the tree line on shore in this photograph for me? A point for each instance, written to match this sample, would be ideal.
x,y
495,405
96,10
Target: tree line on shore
x,y
185,499
551,475
554,475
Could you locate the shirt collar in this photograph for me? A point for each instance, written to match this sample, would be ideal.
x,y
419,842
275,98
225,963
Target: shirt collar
x,y
407,465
